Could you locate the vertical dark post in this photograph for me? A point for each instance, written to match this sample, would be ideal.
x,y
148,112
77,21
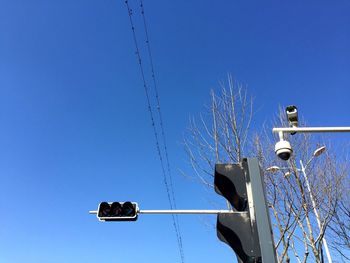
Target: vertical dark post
x,y
262,217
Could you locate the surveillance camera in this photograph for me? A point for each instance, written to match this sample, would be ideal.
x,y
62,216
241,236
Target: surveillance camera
x,y
292,115
283,149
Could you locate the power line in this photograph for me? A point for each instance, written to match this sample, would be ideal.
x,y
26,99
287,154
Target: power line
x,y
170,195
159,112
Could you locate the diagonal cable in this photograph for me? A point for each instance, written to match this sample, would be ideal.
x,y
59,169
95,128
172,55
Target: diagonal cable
x,y
175,224
150,56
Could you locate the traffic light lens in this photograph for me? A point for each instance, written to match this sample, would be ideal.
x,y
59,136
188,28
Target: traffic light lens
x,y
128,209
104,209
116,209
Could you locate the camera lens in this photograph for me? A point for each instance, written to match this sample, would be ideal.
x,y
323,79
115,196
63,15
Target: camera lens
x,y
284,156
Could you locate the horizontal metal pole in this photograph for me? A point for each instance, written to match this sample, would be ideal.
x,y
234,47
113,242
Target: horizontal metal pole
x,y
312,129
186,212
180,212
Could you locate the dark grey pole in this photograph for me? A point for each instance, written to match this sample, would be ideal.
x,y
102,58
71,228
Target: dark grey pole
x,y
262,216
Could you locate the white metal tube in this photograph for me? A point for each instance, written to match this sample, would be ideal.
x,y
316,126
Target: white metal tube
x,y
312,129
280,134
186,212
181,212
315,211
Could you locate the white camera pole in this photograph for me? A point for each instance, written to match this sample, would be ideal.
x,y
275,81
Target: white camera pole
x,y
311,129
280,132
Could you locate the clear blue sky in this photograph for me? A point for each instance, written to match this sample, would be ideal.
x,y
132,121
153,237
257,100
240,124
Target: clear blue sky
x,y
75,129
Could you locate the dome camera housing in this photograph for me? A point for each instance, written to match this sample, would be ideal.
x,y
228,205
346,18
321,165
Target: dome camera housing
x,y
283,150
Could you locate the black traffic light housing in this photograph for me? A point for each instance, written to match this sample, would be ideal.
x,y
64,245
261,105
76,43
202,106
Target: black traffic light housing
x,y
238,230
117,211
230,182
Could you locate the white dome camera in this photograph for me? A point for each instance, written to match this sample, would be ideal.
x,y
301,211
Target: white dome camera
x,y
283,150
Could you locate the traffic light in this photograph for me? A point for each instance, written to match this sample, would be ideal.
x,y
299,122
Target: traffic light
x,y
238,230
117,211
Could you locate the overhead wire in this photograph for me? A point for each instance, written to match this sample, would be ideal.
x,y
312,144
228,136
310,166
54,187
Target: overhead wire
x,y
170,195
155,85
150,56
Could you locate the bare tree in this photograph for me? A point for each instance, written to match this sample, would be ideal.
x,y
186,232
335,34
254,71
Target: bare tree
x,y
224,135
340,226
290,198
224,138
